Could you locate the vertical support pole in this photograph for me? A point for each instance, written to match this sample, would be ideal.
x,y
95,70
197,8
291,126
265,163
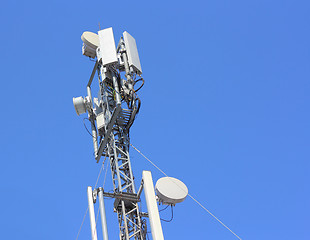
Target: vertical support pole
x,y
117,95
91,211
125,220
157,231
93,129
127,70
103,215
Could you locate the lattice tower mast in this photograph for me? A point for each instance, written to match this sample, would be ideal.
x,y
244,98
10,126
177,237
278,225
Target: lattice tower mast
x,y
111,115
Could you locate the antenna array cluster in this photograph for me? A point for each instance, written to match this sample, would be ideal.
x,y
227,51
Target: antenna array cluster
x,y
111,114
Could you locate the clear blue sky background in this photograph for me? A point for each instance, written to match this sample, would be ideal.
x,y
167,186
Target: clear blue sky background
x,y
225,108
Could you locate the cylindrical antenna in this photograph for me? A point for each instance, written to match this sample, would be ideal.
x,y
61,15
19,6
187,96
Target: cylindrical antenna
x,y
103,215
91,213
157,231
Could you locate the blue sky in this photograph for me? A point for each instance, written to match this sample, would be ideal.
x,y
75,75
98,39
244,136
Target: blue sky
x,y
225,108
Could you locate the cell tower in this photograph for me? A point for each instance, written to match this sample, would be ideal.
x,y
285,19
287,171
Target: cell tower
x,y
111,114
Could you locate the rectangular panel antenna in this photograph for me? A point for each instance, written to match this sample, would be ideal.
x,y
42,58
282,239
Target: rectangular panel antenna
x,y
132,52
107,46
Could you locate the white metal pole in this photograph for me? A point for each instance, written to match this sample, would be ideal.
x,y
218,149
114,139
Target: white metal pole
x,y
91,211
103,215
93,129
157,232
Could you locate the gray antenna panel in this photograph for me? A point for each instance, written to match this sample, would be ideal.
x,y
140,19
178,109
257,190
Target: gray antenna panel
x,y
107,51
132,52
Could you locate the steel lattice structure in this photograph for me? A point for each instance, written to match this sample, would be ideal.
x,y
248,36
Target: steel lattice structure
x,y
112,114
117,150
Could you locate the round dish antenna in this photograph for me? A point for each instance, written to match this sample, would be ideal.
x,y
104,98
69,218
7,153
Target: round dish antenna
x,y
170,190
79,105
90,39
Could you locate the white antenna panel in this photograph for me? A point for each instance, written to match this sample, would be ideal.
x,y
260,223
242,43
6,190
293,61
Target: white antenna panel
x,y
107,48
132,52
171,190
